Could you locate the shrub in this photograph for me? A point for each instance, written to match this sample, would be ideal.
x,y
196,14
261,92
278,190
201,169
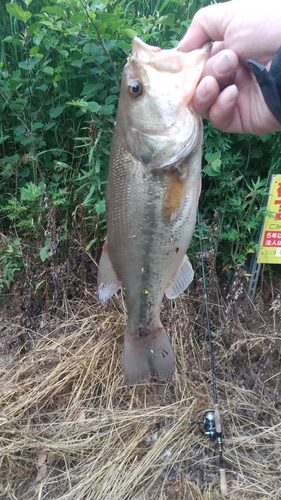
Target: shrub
x,y
59,84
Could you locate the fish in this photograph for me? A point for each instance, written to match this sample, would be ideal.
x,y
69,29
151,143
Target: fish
x,y
153,187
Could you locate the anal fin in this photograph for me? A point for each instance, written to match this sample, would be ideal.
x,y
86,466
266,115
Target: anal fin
x,y
108,283
181,281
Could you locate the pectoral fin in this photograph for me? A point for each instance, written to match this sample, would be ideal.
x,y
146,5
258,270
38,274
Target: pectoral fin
x,y
108,283
270,83
181,281
174,198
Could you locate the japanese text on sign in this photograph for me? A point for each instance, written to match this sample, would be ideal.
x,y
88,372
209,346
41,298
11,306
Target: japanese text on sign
x,y
270,251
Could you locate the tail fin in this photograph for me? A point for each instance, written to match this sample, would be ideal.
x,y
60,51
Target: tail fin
x,y
147,355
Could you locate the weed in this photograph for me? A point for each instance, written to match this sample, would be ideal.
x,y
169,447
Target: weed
x,y
60,69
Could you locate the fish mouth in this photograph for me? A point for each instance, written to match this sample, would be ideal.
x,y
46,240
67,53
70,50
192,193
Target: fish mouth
x,y
160,59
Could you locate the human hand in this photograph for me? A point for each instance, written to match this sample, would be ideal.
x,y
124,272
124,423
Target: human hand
x,y
241,30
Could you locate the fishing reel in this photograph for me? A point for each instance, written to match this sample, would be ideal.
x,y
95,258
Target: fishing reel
x,y
209,425
212,429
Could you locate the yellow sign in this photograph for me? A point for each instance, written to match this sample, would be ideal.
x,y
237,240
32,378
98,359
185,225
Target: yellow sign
x,y
270,251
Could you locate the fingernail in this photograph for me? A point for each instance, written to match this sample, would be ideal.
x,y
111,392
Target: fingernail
x,y
222,64
228,95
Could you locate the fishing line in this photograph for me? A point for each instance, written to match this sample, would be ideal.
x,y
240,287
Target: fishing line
x,y
211,419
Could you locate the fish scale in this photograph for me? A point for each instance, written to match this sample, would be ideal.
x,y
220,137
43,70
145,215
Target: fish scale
x,y
149,242
153,186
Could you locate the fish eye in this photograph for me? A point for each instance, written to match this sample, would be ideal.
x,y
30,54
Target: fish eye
x,y
136,89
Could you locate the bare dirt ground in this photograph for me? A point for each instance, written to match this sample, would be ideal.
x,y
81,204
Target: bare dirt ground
x,y
71,430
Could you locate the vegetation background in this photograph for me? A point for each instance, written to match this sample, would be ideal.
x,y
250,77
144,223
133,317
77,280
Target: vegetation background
x,y
69,428
60,69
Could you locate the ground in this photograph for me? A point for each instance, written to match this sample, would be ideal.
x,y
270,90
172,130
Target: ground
x,y
70,429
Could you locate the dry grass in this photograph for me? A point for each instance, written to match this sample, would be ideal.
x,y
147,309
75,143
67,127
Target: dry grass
x,y
70,429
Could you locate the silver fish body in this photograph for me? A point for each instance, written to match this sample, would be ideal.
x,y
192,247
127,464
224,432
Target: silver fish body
x,y
154,182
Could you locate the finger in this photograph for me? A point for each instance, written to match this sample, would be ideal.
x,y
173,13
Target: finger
x,y
218,73
206,93
217,47
222,66
223,112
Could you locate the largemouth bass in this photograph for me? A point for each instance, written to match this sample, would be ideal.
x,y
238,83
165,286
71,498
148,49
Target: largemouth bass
x,y
154,183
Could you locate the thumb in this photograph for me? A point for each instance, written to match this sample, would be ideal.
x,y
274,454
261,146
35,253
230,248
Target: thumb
x,y
207,25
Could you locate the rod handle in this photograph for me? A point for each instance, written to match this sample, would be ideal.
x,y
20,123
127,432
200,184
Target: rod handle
x,y
223,483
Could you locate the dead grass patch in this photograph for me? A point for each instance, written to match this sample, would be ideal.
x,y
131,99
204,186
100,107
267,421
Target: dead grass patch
x,y
71,430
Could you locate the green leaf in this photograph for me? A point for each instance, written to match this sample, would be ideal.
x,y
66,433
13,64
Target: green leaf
x,y
40,282
15,83
78,63
55,112
216,165
27,140
90,244
49,126
93,106
37,125
24,172
31,192
98,5
107,110
15,41
111,98
3,138
78,17
44,252
16,11
97,166
100,207
266,137
210,171
62,165
89,196
131,33
20,129
48,70
210,157
34,52
55,10
29,63
10,159
42,87
34,27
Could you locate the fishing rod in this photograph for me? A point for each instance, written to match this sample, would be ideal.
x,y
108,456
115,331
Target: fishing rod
x,y
211,419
